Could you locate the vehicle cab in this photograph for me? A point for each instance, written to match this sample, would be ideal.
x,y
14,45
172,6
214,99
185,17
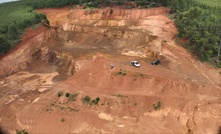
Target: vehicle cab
x,y
135,63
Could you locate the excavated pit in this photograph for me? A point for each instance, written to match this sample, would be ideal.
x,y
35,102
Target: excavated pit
x,y
74,56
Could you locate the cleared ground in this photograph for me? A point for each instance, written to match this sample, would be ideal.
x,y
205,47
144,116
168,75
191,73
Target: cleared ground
x,y
182,95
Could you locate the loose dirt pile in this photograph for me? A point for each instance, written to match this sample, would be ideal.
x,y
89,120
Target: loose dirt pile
x,y
60,80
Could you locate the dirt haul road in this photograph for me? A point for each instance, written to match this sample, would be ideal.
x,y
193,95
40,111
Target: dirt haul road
x,y
59,80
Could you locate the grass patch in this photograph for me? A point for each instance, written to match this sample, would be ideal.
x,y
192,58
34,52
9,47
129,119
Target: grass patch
x,y
21,131
120,96
121,73
157,106
135,103
95,101
60,93
87,100
62,120
52,103
140,75
72,109
71,97
62,108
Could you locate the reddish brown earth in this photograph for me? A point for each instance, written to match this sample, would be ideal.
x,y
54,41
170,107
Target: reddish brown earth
x,y
76,58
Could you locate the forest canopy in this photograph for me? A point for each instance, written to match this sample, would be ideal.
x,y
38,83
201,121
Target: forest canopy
x,y
200,25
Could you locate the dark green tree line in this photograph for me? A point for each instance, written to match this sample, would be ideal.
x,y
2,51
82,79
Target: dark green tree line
x,y
4,45
200,25
14,22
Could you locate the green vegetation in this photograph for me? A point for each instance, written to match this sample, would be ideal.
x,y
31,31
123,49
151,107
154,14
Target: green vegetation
x,y
212,3
21,131
52,103
135,103
62,120
72,109
157,106
120,95
15,18
95,101
121,72
120,3
60,107
60,93
111,11
140,75
67,95
198,21
200,25
87,100
71,97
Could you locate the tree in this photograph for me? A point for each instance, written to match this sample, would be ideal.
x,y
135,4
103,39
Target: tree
x,y
200,26
13,33
175,5
4,45
183,4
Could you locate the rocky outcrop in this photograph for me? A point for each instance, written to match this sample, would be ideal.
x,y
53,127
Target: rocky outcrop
x,y
115,14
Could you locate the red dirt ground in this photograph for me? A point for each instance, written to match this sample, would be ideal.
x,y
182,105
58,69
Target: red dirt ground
x,y
76,59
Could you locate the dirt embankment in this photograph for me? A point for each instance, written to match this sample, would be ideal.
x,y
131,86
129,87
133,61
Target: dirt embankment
x,y
21,56
62,79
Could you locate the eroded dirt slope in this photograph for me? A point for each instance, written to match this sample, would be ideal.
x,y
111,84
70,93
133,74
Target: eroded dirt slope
x,y
59,80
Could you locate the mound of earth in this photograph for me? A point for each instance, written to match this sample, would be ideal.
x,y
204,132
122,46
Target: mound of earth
x,y
60,79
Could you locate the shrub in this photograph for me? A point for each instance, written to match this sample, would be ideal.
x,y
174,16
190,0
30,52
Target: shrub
x,y
122,72
62,120
120,95
60,93
111,11
157,107
107,2
62,108
67,95
96,101
120,3
72,97
86,99
21,131
141,74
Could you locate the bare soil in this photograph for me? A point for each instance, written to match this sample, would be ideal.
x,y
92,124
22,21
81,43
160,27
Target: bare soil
x,y
181,95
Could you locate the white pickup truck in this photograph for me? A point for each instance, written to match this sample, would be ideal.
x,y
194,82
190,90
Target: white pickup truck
x,y
135,63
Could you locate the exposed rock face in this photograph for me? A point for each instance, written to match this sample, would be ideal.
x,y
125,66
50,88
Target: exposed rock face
x,y
55,71
120,23
115,14
20,59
